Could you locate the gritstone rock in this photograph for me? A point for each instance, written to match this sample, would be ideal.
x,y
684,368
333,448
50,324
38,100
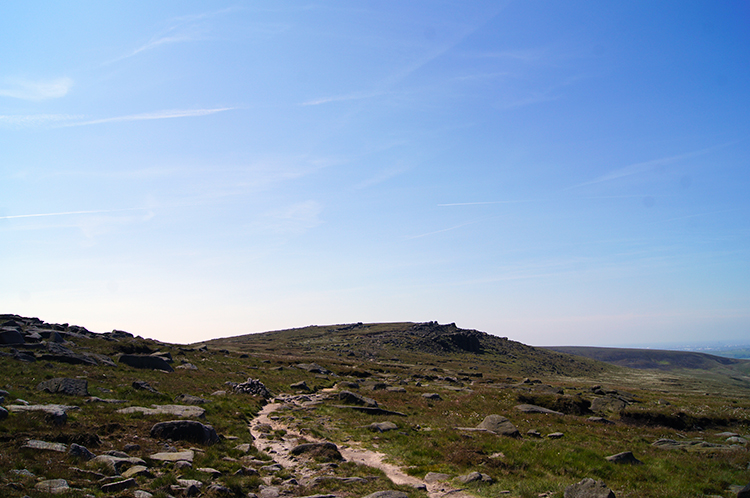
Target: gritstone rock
x,y
382,426
499,425
357,399
588,488
536,409
53,486
62,385
114,487
185,430
76,450
189,399
145,361
625,457
11,337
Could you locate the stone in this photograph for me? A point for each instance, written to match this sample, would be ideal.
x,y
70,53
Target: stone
x,y
533,433
246,471
736,440
382,426
499,425
470,477
189,399
187,366
23,472
209,470
357,399
57,352
387,494
183,464
131,447
269,492
115,464
78,451
218,489
555,435
626,457
36,444
301,386
435,477
744,492
3,413
136,470
53,486
600,420
55,414
313,368
244,447
525,408
117,486
433,396
607,404
142,385
145,362
139,493
174,456
62,385
175,410
324,451
588,488
395,389
185,430
11,337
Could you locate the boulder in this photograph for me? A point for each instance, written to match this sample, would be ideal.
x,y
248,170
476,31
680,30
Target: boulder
x,y
136,470
588,488
176,410
608,404
357,399
499,425
301,386
626,457
470,477
555,435
174,456
185,430
63,385
117,486
435,477
536,409
11,337
382,426
57,352
53,486
76,450
36,444
142,385
433,396
3,413
387,494
322,451
744,492
145,362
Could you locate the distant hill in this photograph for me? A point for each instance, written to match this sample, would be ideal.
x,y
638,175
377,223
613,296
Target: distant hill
x,y
655,359
427,342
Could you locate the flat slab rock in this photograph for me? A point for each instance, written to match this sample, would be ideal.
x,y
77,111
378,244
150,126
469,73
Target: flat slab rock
x,y
536,409
186,411
36,444
589,488
174,456
53,486
64,385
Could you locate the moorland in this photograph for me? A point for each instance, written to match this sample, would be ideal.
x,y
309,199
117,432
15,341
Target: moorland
x,y
411,409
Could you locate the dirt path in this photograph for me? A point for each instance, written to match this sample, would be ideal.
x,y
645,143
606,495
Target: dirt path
x,y
280,449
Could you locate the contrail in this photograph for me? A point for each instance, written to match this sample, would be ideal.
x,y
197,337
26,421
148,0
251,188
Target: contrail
x,y
38,215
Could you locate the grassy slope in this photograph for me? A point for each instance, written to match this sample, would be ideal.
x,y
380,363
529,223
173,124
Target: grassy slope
x,y
427,439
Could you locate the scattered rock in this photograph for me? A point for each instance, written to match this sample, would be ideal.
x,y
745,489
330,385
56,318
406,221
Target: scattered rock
x,y
36,444
536,409
176,410
142,385
301,386
588,488
744,492
115,464
470,477
185,430
76,450
499,425
187,366
218,489
435,477
313,368
626,457
131,447
608,404
56,414
139,493
62,385
382,426
174,456
53,486
555,435
433,396
11,337
114,487
136,470
600,420
357,399
189,399
387,494
145,362
736,440
533,433
3,413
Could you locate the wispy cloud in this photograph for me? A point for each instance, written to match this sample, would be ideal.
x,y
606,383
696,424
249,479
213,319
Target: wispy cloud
x,y
168,114
479,203
179,30
29,120
342,98
443,230
19,88
638,168
295,218
65,213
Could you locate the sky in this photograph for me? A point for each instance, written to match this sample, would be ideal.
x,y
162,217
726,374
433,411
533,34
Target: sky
x,y
557,172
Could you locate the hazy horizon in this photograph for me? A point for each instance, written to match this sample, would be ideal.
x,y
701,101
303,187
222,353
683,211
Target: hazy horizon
x,y
560,173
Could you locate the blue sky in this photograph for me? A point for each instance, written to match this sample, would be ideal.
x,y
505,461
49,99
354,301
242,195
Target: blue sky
x,y
561,173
